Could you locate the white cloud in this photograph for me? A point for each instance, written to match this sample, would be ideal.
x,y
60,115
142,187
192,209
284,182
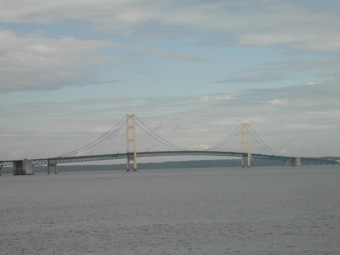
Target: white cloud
x,y
33,62
249,22
202,147
217,97
278,101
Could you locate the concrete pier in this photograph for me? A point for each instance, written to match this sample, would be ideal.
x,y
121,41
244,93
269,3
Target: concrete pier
x,y
51,167
22,167
296,161
246,159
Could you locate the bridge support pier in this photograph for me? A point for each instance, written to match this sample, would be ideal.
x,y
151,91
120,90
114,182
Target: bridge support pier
x,y
51,166
284,163
296,161
22,167
246,159
128,168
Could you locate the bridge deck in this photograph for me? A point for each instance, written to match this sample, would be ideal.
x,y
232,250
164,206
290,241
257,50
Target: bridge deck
x,y
75,159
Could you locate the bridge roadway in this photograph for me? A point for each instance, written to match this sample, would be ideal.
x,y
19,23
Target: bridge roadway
x,y
75,159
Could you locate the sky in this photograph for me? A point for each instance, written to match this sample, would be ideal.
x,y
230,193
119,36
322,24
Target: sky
x,y
191,70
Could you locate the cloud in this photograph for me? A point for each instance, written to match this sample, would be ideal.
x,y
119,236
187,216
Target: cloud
x,y
278,101
174,55
34,62
110,16
306,115
252,79
202,147
221,97
262,23
270,72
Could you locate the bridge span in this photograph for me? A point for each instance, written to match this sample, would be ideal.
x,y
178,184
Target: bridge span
x,y
132,121
52,163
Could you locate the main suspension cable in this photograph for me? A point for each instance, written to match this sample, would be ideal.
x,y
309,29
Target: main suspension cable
x,y
262,143
226,140
157,137
99,140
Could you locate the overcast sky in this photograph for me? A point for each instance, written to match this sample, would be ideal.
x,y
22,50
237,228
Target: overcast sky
x,y
191,70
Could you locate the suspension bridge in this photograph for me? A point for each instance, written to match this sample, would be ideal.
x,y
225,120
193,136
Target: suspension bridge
x,y
131,122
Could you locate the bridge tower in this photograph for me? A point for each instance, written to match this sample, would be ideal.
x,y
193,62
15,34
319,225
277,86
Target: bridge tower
x,y
131,139
245,144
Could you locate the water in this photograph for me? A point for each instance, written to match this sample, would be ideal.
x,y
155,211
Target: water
x,y
198,211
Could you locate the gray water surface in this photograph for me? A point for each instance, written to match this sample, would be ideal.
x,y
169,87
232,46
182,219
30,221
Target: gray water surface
x,y
198,211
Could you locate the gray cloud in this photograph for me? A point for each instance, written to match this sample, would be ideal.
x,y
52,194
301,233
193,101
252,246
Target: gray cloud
x,y
325,69
253,79
34,62
174,55
249,22
37,62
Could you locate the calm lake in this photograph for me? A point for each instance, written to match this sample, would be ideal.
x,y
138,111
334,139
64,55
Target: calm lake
x,y
279,210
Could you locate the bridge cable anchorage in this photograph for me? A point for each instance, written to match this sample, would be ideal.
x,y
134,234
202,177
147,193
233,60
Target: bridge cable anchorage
x,y
226,140
99,140
157,137
263,144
